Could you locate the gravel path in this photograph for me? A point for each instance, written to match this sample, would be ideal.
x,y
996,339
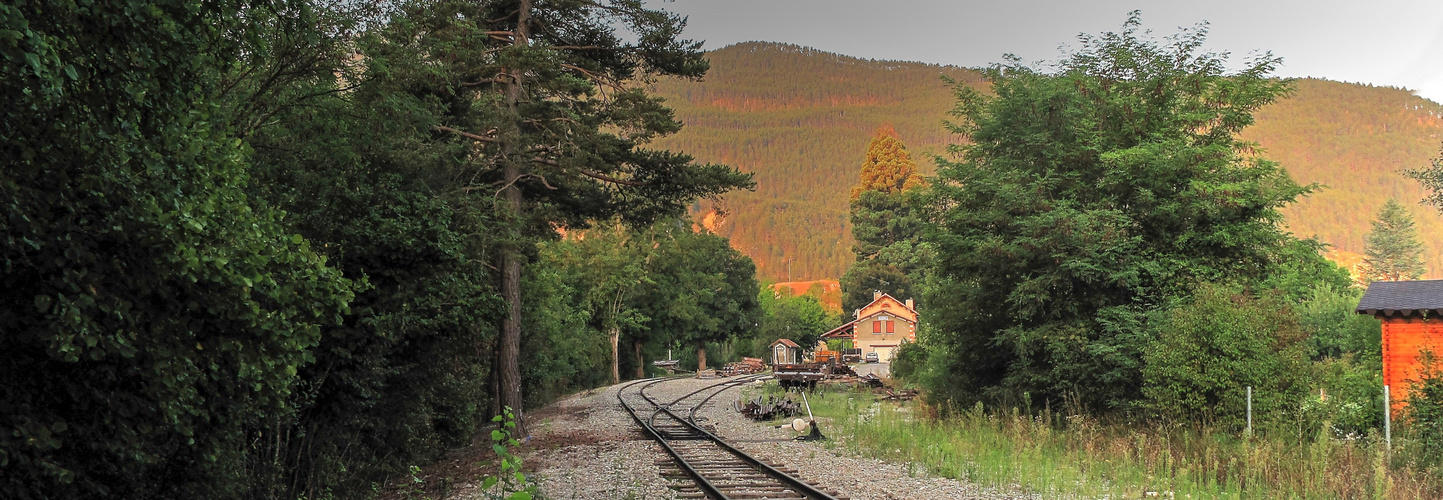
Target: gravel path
x,y
587,447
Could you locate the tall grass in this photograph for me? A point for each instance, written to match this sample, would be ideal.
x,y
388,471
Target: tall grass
x,y
1073,456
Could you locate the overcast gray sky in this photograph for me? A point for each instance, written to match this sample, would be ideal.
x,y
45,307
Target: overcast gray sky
x,y
1383,42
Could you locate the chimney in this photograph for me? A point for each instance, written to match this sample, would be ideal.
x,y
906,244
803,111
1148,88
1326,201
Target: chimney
x,y
876,294
910,305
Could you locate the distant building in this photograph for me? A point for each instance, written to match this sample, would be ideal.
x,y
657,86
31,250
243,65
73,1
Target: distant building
x,y
1409,311
881,326
785,351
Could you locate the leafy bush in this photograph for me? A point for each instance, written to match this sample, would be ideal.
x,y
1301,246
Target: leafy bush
x,y
1424,414
1351,394
1327,314
1207,351
909,358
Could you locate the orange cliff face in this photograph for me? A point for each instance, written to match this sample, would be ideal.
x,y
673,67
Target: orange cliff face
x,y
828,291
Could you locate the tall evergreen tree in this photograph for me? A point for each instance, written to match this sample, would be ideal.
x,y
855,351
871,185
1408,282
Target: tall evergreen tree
x,y
885,225
1392,251
888,168
541,92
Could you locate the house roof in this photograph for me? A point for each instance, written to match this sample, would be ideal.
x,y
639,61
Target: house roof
x,y
884,295
1403,298
884,311
785,342
844,331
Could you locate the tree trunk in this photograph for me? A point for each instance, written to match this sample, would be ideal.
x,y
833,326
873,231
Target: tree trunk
x,y
615,355
640,364
495,378
511,257
700,359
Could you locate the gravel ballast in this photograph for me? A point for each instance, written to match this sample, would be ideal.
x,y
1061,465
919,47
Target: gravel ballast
x,y
588,447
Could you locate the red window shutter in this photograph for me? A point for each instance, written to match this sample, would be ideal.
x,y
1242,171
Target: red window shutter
x,y
876,327
891,327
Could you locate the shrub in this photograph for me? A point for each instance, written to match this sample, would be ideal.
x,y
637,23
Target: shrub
x,y
1334,329
908,361
1424,414
1206,352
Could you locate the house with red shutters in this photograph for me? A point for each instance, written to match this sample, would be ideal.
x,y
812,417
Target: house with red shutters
x,y
881,326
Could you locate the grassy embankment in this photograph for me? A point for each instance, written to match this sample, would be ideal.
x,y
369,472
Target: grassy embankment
x,y
1062,456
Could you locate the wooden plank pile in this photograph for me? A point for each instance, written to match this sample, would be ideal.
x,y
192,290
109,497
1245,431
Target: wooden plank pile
x,y
746,366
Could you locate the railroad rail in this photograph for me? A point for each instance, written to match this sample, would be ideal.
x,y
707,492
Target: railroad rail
x,y
718,470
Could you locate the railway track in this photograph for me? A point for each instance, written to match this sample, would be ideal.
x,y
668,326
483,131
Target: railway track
x,y
716,469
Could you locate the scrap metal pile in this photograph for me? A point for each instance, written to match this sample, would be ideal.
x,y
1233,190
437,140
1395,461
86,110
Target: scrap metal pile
x,y
770,408
746,366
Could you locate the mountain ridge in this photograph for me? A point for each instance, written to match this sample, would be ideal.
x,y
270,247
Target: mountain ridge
x,y
800,119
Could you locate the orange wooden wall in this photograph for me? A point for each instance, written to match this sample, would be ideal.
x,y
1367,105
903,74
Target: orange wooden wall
x,y
1403,340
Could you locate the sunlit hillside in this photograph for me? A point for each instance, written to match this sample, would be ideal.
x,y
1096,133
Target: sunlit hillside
x,y
800,120
1356,140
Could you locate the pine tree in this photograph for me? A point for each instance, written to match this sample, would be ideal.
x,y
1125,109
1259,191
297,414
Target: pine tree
x,y
889,167
884,224
1392,250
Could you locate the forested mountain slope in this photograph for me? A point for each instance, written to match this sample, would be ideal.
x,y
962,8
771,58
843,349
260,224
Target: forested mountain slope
x,y
800,119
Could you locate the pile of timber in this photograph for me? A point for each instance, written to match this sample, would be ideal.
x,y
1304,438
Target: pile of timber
x,y
746,366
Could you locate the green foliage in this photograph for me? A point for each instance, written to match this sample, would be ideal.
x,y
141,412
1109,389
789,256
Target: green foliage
x,y
1424,413
866,277
909,361
1209,350
1351,398
1334,328
889,168
703,290
1088,199
663,285
153,313
187,183
887,225
509,483
405,375
1392,251
800,318
564,350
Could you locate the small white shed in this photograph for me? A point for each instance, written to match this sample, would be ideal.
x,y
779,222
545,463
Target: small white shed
x,y
785,351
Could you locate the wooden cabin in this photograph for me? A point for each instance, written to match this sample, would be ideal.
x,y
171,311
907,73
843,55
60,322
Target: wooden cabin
x,y
1410,312
785,351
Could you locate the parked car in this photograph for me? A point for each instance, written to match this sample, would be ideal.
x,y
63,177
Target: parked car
x,y
872,357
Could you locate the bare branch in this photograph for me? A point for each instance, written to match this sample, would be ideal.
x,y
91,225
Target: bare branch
x,y
467,135
594,77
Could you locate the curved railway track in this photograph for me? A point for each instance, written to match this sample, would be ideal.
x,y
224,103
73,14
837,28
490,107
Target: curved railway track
x,y
718,470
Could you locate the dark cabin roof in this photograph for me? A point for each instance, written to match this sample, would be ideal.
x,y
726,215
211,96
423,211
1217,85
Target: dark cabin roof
x,y
1403,298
